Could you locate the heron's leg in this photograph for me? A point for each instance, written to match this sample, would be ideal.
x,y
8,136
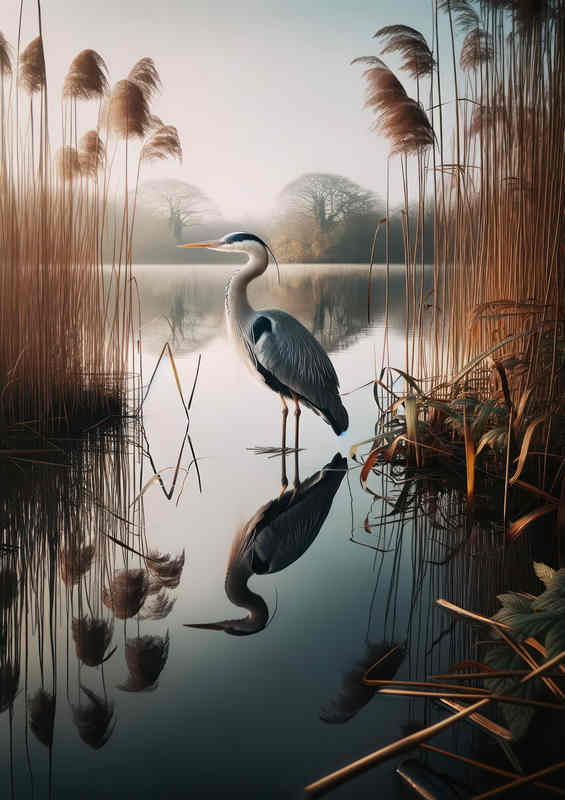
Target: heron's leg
x,y
284,479
296,423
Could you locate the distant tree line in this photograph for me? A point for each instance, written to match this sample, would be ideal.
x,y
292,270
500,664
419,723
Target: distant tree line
x,y
320,218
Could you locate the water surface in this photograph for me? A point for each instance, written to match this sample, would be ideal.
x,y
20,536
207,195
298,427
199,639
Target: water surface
x,y
258,715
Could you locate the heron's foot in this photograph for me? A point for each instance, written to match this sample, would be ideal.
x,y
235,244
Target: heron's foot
x,y
284,487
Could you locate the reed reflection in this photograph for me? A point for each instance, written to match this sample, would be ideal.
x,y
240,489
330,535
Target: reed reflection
x,y
330,300
276,536
73,559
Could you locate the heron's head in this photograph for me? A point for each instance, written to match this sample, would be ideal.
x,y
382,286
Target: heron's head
x,y
234,243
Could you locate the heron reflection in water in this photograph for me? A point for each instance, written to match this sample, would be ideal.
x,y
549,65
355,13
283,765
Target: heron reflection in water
x,y
277,535
278,349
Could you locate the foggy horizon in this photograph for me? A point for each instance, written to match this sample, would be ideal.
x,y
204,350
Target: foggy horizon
x,y
260,95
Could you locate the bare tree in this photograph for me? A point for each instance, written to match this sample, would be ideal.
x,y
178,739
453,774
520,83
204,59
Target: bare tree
x,y
329,199
179,202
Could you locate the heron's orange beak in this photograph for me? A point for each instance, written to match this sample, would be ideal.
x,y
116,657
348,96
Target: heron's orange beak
x,y
200,244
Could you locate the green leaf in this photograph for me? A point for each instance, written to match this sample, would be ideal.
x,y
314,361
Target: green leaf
x,y
553,599
494,438
555,639
526,624
515,602
518,717
544,573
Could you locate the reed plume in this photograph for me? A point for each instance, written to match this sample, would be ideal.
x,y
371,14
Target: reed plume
x,y
412,46
402,119
42,716
144,74
91,154
166,570
32,66
68,163
158,606
127,112
146,657
164,143
87,76
94,720
127,592
92,638
76,560
477,49
466,18
5,56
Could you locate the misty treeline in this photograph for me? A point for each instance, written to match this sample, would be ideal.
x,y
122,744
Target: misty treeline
x,y
319,218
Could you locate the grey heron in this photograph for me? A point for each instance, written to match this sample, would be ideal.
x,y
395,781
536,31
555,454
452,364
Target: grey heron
x,y
278,349
277,535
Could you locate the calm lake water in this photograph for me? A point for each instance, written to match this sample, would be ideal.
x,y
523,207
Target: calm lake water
x,y
177,711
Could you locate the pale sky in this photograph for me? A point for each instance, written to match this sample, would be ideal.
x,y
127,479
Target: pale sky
x,y
260,91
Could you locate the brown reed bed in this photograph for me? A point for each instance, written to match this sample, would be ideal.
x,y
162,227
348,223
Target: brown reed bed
x,y
491,325
67,324
470,430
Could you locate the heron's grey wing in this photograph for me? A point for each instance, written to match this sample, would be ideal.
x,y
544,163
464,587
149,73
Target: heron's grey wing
x,y
288,351
289,525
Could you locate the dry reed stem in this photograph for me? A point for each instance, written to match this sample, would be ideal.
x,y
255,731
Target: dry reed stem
x,y
508,787
488,768
329,781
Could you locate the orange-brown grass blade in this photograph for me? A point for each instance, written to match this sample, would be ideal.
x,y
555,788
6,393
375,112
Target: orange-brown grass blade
x,y
560,523
544,667
329,781
470,456
463,612
411,411
467,694
520,524
520,781
526,446
501,628
368,465
540,492
488,768
479,719
467,664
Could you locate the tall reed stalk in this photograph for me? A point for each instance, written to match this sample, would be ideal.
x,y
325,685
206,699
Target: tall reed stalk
x,y
67,325
497,192
500,222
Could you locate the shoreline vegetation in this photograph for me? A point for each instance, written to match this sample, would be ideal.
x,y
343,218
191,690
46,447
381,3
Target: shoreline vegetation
x,y
470,431
67,355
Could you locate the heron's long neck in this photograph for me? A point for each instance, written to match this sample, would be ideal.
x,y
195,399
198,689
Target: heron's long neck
x,y
237,304
241,595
